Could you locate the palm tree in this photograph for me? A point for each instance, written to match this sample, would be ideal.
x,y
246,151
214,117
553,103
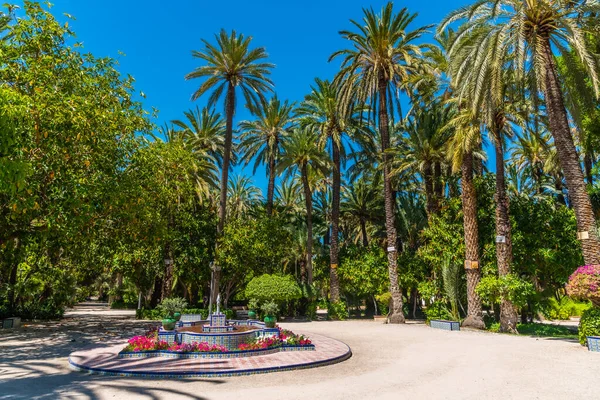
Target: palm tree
x,y
261,138
204,130
242,196
375,67
530,152
360,201
322,110
422,149
300,154
230,65
530,29
462,150
485,84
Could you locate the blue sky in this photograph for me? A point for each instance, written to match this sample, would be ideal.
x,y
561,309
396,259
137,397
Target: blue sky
x,y
157,38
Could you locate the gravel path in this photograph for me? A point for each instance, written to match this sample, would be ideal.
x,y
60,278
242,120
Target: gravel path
x,y
388,362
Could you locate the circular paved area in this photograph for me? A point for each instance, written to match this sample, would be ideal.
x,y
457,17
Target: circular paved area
x,y
105,361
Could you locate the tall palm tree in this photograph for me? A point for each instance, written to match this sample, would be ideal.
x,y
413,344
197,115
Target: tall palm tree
x,y
299,155
322,110
531,29
261,139
462,149
485,84
375,67
230,65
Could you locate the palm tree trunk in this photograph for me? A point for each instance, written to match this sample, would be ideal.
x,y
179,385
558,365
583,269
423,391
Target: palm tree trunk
x,y
508,313
271,185
396,315
569,160
469,201
363,231
588,165
429,194
309,232
438,187
229,110
334,285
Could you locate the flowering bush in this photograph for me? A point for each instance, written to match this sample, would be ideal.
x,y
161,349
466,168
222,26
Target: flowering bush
x,y
584,284
150,342
290,338
201,347
259,344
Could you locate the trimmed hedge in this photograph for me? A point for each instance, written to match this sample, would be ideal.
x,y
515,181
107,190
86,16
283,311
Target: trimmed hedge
x,y
589,324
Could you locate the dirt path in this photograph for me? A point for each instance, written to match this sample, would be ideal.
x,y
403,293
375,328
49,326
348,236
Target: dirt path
x,y
389,362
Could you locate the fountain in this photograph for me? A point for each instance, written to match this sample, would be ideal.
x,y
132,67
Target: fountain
x,y
217,330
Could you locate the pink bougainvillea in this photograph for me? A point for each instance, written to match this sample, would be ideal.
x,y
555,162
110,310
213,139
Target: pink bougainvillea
x,y
584,284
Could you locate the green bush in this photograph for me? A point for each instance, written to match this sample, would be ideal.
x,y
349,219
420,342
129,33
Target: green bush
x,y
270,309
383,302
172,305
493,289
437,310
337,310
563,309
589,324
277,288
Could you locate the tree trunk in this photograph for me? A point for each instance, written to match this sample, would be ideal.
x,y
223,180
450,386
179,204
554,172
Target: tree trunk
x,y
334,285
396,315
229,110
469,201
309,233
430,206
12,278
438,187
363,231
271,186
508,313
588,165
569,159
168,279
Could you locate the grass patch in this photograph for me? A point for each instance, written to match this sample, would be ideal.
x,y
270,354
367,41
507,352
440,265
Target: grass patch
x,y
541,330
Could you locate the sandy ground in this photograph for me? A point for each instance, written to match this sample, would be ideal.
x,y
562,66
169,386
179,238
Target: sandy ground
x,y
388,362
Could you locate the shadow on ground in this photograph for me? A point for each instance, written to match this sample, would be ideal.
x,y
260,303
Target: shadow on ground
x,y
34,359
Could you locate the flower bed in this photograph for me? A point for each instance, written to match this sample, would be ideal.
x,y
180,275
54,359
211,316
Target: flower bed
x,y
149,345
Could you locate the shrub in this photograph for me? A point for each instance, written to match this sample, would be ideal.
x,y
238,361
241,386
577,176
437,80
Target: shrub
x,y
383,302
437,310
563,309
589,324
493,289
337,310
584,284
253,305
170,306
270,309
277,288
